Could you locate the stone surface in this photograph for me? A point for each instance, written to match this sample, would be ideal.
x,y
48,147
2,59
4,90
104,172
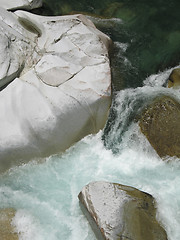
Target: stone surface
x,y
118,212
20,4
16,47
7,231
174,78
62,84
160,124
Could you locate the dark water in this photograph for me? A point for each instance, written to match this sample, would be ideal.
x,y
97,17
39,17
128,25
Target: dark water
x,y
147,40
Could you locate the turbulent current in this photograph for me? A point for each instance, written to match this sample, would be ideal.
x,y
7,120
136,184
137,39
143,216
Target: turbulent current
x,y
44,191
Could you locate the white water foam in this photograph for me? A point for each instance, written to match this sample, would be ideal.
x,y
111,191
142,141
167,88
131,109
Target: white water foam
x,y
159,79
45,194
45,191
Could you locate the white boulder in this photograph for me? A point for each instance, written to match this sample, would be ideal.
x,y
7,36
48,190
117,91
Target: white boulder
x,y
20,4
62,86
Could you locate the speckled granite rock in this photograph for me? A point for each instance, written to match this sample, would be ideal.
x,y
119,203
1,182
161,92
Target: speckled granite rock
x,y
160,124
118,212
7,231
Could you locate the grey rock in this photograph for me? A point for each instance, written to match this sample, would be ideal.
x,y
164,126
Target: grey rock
x,y
20,4
118,212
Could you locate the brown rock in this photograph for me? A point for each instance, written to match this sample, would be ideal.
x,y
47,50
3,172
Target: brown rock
x,y
174,78
118,212
7,231
160,123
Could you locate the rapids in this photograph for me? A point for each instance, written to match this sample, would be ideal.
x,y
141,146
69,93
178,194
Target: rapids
x,y
44,191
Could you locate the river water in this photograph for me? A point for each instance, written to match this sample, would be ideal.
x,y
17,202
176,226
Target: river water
x,y
44,191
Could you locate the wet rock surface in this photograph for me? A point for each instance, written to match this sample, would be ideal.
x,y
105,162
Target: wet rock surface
x,y
118,212
7,231
160,124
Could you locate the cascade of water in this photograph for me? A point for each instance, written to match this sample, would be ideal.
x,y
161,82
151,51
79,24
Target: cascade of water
x,y
129,104
44,191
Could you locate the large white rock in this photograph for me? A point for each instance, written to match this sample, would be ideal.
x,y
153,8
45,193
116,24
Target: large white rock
x,y
20,4
62,89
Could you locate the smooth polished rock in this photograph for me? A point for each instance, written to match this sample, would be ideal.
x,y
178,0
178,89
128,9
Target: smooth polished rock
x,y
118,212
62,86
20,4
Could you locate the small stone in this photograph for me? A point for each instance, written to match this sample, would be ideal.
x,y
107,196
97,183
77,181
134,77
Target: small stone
x,y
118,212
174,78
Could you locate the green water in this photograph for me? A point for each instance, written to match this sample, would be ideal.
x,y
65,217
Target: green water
x,y
150,30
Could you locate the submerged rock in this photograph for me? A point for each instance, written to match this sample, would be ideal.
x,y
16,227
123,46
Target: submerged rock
x,y
118,212
174,78
20,4
61,89
160,124
7,231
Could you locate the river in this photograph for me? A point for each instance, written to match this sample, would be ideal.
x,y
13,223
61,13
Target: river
x,y
44,191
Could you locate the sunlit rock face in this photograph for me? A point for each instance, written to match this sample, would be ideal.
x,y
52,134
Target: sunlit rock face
x,y
120,212
61,88
174,78
20,4
16,47
160,124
